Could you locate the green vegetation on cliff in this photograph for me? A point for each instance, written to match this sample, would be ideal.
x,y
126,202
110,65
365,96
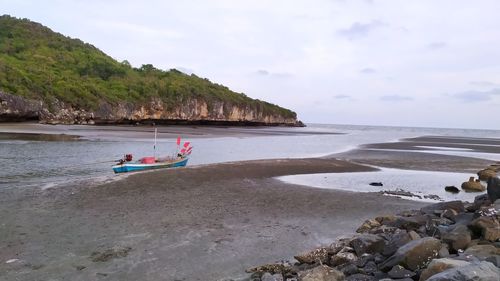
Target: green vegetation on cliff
x,y
37,63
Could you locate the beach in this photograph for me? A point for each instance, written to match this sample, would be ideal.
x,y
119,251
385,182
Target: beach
x,y
203,222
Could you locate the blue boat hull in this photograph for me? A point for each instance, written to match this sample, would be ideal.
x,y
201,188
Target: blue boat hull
x,y
131,167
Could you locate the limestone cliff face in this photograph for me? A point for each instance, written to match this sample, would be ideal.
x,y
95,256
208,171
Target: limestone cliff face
x,y
15,108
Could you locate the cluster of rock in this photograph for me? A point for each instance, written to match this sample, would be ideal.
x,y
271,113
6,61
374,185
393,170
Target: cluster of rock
x,y
475,185
443,241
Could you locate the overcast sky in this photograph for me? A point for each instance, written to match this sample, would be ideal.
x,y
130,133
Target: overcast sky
x,y
411,63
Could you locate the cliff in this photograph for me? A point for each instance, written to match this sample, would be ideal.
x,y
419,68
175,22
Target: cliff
x,y
52,78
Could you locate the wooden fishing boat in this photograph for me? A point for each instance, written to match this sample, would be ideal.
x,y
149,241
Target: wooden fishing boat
x,y
146,164
127,164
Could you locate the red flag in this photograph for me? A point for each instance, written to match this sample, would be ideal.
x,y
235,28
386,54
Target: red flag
x,y
188,151
186,144
178,140
183,150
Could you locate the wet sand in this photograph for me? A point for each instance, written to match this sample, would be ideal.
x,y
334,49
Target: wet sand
x,y
407,154
200,223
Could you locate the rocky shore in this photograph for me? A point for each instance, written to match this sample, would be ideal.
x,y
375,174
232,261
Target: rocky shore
x,y
452,240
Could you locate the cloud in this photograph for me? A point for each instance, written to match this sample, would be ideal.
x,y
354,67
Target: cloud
x,y
477,96
263,72
484,84
395,98
437,45
341,97
368,70
358,30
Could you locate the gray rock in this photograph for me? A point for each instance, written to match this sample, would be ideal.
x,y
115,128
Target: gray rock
x,y
487,227
439,265
455,205
482,251
398,272
368,243
360,277
458,238
414,255
348,269
494,260
321,273
484,271
363,259
369,268
274,277
452,189
395,242
342,258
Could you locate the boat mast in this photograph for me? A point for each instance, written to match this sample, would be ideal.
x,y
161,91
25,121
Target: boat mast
x,y
154,146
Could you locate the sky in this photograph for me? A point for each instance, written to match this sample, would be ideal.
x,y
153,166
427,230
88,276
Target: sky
x,y
426,63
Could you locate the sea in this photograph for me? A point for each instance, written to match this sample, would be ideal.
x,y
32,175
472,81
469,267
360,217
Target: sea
x,y
41,162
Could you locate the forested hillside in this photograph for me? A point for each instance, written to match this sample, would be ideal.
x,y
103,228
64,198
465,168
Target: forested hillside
x,y
67,74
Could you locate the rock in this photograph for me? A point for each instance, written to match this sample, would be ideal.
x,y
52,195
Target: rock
x,y
484,271
454,205
473,186
274,277
321,273
360,277
319,255
273,268
348,269
376,184
444,252
413,235
452,189
439,265
414,255
368,243
342,258
493,188
482,251
433,197
395,242
494,260
488,227
398,272
449,214
363,259
368,225
338,246
458,238
108,254
486,174
369,268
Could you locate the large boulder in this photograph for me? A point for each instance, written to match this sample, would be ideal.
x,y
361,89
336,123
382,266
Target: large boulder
x,y
473,186
487,173
482,251
321,273
487,227
458,238
493,188
484,271
414,255
439,265
397,240
368,244
368,225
